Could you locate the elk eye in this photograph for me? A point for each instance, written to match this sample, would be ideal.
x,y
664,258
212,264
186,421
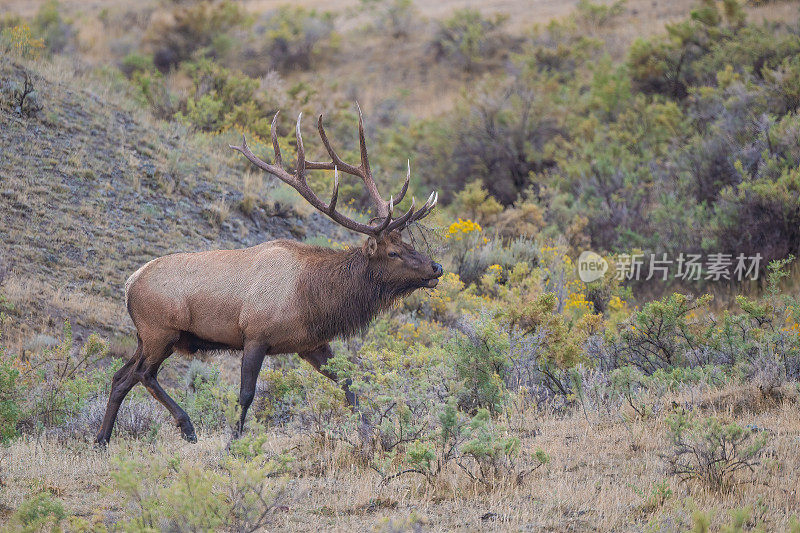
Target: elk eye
x,y
394,254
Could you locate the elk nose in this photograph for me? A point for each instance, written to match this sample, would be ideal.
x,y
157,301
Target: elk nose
x,y
437,269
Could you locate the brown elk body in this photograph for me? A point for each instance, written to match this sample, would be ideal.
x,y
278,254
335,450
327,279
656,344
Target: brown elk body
x,y
277,297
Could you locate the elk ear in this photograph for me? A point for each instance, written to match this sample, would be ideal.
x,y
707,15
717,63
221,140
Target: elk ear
x,y
370,246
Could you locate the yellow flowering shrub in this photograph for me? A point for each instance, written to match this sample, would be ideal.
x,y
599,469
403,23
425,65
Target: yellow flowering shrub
x,y
491,280
616,303
792,328
423,332
522,285
451,298
458,229
19,40
577,301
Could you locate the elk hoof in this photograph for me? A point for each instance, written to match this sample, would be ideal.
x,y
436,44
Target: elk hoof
x,y
187,432
101,443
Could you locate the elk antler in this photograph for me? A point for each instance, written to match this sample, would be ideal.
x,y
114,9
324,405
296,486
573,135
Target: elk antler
x,y
385,210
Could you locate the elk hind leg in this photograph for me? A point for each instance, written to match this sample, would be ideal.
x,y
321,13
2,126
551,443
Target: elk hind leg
x,y
124,380
148,375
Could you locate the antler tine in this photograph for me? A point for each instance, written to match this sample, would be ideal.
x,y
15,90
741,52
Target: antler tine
x,y
435,201
335,194
388,219
362,171
274,134
405,185
404,220
335,159
428,207
239,148
301,152
363,142
411,216
432,199
275,170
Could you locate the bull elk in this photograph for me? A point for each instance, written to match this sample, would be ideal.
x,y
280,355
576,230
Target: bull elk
x,y
277,297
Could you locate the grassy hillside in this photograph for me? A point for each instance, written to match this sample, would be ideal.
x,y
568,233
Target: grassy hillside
x,y
93,188
514,396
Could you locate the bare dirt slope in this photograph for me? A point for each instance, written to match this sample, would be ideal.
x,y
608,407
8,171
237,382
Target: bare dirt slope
x,y
91,189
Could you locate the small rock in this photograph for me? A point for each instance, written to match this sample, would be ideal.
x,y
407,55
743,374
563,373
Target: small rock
x,y
149,169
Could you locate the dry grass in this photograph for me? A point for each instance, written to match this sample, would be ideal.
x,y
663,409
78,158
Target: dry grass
x,y
46,306
94,310
600,478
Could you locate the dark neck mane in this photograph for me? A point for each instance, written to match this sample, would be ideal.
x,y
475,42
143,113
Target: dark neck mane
x,y
339,295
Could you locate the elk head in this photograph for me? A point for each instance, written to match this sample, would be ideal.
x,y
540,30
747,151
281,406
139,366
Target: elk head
x,y
397,264
391,261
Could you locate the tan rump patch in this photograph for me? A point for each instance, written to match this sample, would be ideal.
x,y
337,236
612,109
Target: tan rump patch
x,y
133,277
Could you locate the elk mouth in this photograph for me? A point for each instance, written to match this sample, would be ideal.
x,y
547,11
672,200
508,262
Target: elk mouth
x,y
430,283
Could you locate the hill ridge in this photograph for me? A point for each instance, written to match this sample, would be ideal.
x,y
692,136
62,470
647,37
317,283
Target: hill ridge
x,y
91,190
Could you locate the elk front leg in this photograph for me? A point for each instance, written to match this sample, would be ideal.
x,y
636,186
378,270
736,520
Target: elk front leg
x,y
318,358
254,353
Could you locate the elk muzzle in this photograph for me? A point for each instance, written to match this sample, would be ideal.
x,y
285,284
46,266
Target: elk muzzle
x,y
437,273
